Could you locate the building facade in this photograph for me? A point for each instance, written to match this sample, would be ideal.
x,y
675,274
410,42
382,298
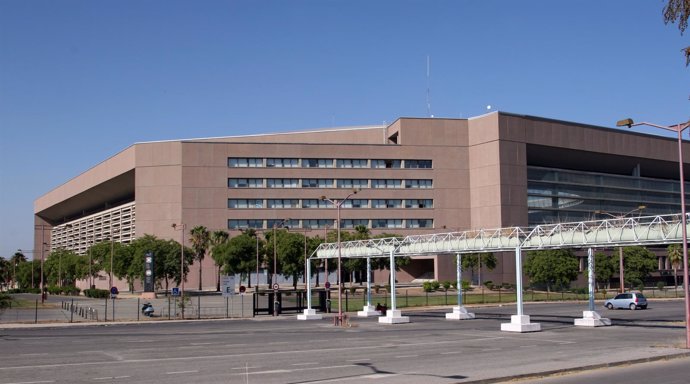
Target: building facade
x,y
417,175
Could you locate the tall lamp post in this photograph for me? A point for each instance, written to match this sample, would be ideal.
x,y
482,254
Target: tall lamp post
x,y
338,204
621,278
275,252
678,129
181,229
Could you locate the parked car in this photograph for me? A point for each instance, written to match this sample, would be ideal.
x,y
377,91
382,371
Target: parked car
x,y
632,300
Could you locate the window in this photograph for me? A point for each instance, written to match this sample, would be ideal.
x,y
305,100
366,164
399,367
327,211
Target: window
x,y
282,163
245,162
356,203
352,223
282,183
245,183
351,163
317,183
386,183
417,163
317,223
353,183
283,203
245,203
293,223
386,223
316,203
244,224
317,163
386,163
386,203
420,223
423,183
419,203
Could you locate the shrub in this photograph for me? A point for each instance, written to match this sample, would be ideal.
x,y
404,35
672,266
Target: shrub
x,y
5,300
489,284
446,285
660,285
427,287
353,290
466,286
377,288
54,290
435,285
97,293
71,290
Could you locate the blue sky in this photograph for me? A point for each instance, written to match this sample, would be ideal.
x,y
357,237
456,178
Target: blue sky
x,y
81,80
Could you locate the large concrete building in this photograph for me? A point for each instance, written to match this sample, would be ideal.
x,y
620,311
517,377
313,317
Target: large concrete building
x,y
417,175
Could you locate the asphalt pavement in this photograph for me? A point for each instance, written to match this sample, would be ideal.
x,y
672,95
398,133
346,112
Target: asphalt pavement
x,y
430,349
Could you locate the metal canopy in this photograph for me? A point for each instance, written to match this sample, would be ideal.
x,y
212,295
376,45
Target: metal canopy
x,y
646,230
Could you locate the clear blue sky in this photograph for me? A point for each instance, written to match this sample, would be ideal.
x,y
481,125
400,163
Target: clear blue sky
x,y
81,80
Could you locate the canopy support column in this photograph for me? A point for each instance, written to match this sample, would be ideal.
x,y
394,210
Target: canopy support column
x,y
368,310
519,322
459,311
393,315
309,314
590,317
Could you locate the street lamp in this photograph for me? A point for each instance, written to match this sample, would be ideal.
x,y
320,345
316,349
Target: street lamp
x,y
274,276
182,227
337,204
678,129
620,249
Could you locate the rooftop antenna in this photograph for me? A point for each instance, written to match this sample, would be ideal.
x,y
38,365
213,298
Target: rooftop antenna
x,y
428,71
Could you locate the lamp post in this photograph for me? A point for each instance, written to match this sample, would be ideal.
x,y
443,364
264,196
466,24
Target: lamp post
x,y
621,277
678,129
275,252
338,204
181,229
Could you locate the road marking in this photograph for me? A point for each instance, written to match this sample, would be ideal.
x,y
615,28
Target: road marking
x,y
180,372
451,353
490,349
356,360
528,346
34,354
200,343
405,356
110,377
378,375
33,382
258,366
300,364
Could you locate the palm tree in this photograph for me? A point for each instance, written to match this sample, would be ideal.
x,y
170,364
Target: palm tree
x,y
217,238
675,257
200,241
15,260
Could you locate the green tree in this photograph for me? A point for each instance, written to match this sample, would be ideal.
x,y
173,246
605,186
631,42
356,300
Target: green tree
x,y
639,264
675,257
291,255
166,260
554,267
15,261
678,10
604,267
216,238
101,254
237,255
472,260
200,243
61,267
5,272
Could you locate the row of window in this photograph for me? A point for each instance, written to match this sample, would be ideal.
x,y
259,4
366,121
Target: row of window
x,y
329,183
318,203
328,223
258,162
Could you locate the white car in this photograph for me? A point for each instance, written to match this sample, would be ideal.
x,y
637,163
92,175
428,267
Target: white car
x,y
631,300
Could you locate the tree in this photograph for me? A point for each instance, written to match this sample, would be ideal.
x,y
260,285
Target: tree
x,y
678,10
216,238
675,257
200,242
5,272
291,255
484,259
639,263
554,267
61,267
17,259
604,267
166,259
237,255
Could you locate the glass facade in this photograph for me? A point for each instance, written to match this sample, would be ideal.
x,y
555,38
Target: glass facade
x,y
558,195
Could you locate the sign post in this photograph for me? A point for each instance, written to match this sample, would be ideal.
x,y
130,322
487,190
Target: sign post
x,y
227,285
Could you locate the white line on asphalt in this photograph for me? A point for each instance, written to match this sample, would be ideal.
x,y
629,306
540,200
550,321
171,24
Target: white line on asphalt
x,y
33,354
32,382
451,353
200,343
528,346
356,360
300,364
405,356
250,367
180,372
110,377
490,349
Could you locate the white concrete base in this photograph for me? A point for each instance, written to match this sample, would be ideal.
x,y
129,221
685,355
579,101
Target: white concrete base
x,y
310,314
592,319
368,311
148,295
520,324
393,317
459,313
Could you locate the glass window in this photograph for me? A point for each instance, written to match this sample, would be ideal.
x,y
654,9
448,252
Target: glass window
x,y
245,183
245,203
352,223
356,203
245,162
316,203
283,203
420,223
244,224
282,183
317,163
317,183
422,183
419,203
386,203
282,223
351,163
317,223
282,163
353,183
386,163
386,183
417,163
386,223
